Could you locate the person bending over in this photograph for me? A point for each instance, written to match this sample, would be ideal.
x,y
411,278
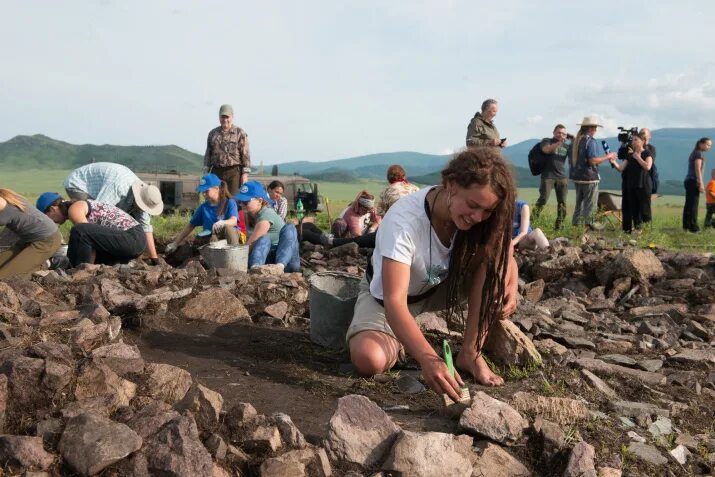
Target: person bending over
x,y
271,239
523,236
34,236
440,248
102,233
218,214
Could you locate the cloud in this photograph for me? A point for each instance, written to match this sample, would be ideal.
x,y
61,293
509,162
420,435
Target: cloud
x,y
537,119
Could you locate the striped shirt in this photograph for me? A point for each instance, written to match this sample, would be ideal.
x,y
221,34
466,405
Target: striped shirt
x,y
109,183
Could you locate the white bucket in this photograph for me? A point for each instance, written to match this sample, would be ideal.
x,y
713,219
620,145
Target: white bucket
x,y
233,257
332,299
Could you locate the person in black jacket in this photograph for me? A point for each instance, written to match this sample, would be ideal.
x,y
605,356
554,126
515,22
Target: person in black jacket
x,y
637,184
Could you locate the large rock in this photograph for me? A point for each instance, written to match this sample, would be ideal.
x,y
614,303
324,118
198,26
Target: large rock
x,y
91,443
97,380
599,384
263,440
117,298
493,419
695,356
57,375
165,382
25,379
598,366
4,394
298,463
122,358
290,433
177,451
205,404
560,410
581,461
86,335
424,454
569,259
647,453
638,264
20,453
8,297
216,305
507,345
494,461
359,431
150,418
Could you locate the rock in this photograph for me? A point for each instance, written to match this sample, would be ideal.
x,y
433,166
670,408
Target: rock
x,y
99,381
91,443
569,259
277,310
598,366
21,453
165,382
205,404
493,419
662,426
650,365
348,249
581,461
635,409
60,353
263,440
216,305
117,298
175,450
654,310
216,446
24,380
549,346
507,345
497,462
162,297
680,454
99,405
409,385
694,356
59,318
86,335
3,401
425,454
609,472
8,297
359,431
618,359
57,375
599,384
289,432
121,358
560,410
638,264
150,418
647,453
430,321
534,291
577,342
552,437
299,463
268,270
241,414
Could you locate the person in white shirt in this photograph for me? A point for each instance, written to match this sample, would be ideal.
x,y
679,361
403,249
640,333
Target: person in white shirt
x,y
440,248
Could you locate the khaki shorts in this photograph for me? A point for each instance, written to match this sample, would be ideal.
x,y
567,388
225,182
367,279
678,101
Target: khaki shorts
x,y
369,315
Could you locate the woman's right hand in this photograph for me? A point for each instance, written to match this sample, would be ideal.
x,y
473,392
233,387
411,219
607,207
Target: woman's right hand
x,y
171,248
701,187
439,379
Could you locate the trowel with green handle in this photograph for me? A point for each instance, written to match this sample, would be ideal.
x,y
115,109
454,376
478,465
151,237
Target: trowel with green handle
x,y
451,407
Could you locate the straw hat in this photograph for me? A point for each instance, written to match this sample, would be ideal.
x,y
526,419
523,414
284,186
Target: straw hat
x,y
147,198
590,121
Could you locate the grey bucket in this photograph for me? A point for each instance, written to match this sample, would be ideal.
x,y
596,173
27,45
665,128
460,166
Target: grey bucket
x,y
233,257
332,300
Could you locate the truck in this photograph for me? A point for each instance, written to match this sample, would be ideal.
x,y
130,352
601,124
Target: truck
x,y
178,190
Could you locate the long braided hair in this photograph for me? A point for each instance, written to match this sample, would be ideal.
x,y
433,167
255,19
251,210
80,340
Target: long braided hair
x,y
487,243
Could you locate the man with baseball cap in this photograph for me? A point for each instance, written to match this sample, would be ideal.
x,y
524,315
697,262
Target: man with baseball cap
x,y
227,153
117,185
584,171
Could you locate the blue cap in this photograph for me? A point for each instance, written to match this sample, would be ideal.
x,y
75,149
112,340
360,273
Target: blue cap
x,y
208,181
45,200
252,190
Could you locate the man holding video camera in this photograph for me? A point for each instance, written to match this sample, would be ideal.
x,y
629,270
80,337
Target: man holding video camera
x,y
584,171
553,175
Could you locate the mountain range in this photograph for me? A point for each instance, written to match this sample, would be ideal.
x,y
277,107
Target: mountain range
x,y
41,152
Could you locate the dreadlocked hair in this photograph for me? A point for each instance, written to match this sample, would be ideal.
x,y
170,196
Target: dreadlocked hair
x,y
13,198
487,243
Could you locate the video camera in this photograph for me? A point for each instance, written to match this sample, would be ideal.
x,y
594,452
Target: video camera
x,y
624,137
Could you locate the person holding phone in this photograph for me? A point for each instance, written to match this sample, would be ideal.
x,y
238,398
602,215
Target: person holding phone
x,y
482,132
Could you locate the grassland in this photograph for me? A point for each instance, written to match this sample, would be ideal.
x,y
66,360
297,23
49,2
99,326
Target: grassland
x,y
664,232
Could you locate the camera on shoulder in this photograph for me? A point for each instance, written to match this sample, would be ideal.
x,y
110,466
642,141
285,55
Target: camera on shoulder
x,y
624,137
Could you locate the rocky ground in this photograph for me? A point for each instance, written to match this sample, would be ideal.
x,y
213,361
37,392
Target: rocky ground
x,y
139,370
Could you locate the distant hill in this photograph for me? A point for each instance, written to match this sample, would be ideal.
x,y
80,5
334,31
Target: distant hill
x,y
42,152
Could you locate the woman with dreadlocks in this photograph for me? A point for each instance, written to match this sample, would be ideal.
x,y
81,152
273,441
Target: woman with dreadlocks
x,y
437,249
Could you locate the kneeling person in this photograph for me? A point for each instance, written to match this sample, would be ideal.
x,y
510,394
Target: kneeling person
x,y
436,249
102,233
271,239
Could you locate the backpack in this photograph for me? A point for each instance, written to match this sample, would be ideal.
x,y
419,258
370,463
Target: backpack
x,y
655,179
537,159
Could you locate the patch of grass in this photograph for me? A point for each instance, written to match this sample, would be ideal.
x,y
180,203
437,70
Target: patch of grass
x,y
522,372
493,367
557,388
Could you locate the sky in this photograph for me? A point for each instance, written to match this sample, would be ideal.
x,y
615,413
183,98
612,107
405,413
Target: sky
x,y
320,80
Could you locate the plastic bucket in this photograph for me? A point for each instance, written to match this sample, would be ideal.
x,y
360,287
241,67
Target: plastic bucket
x,y
233,257
332,299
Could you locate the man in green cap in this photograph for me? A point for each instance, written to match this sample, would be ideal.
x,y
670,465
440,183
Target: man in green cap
x,y
227,153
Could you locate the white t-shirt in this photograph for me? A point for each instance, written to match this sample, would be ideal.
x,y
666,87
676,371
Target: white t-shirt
x,y
404,236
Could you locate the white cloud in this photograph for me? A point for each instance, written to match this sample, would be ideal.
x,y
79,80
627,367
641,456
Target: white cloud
x,y
537,119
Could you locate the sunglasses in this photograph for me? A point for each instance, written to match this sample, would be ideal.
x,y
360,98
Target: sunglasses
x,y
244,202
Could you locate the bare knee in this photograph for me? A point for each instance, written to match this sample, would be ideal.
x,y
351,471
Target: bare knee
x,y
371,355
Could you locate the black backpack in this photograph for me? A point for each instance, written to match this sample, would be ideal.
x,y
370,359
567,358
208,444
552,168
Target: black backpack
x,y
655,179
537,159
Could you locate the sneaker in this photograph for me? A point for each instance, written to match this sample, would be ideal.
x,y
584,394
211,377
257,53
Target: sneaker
x,y
326,239
595,226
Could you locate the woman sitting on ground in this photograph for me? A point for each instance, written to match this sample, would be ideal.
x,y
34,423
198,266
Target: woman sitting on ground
x,y
440,248
280,203
523,236
35,237
218,214
358,219
271,239
398,188
102,233
636,185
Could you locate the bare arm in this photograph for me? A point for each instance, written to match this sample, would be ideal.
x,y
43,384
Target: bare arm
x,y
551,148
259,231
3,203
395,283
620,167
151,245
699,173
184,234
78,211
523,227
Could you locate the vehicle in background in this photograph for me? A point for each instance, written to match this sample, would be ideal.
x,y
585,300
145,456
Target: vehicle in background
x,y
178,190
